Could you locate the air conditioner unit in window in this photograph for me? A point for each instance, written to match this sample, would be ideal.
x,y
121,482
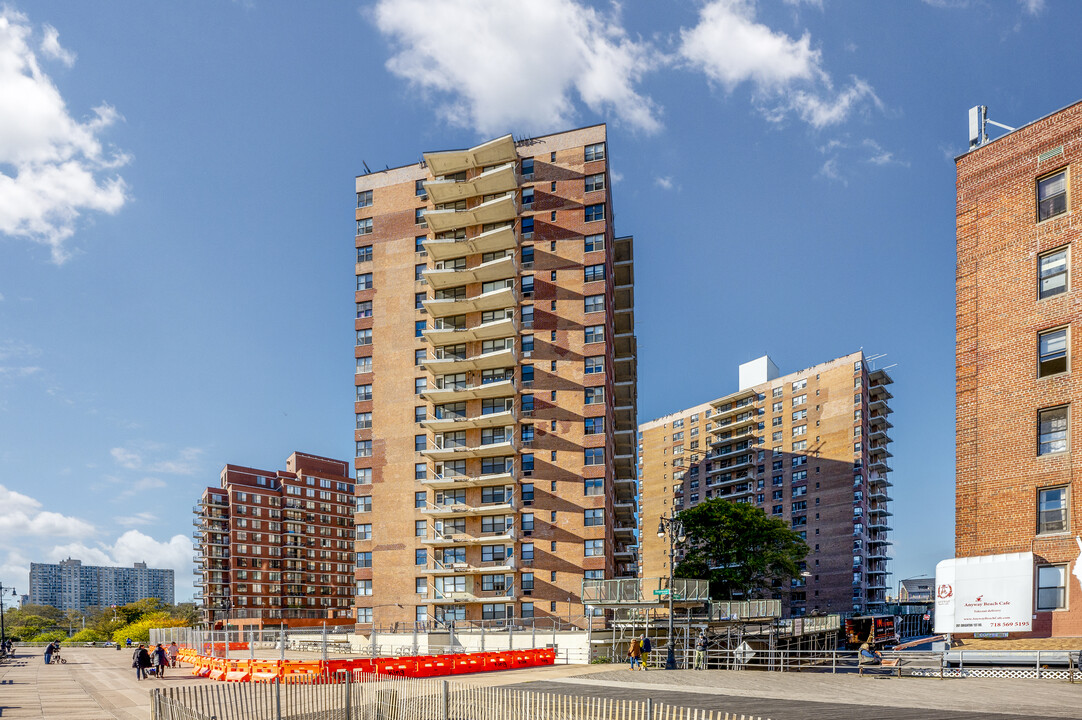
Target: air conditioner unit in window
x,y
527,413
527,353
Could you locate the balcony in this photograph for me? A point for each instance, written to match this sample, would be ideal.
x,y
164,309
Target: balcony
x,y
879,465
440,277
880,451
881,377
212,501
494,152
447,363
625,555
474,596
491,182
879,526
443,451
626,366
879,496
879,422
746,431
451,422
624,532
626,489
737,402
625,414
880,435
492,241
879,482
448,334
624,343
623,319
454,392
879,406
502,209
455,510
436,567
451,480
443,539
493,300
625,510
879,392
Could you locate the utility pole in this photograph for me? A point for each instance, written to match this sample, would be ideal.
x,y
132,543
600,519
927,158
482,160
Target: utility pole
x,y
675,530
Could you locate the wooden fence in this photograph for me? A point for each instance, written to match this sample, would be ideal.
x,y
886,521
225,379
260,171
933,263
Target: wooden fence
x,y
372,697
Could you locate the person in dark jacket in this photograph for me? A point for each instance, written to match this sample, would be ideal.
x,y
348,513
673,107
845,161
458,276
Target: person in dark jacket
x,y
160,660
140,661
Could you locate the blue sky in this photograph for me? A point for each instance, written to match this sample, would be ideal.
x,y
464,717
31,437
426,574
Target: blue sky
x,y
176,214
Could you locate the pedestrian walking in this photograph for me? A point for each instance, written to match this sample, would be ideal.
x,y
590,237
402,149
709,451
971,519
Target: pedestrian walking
x,y
701,644
140,660
634,653
173,651
160,661
645,647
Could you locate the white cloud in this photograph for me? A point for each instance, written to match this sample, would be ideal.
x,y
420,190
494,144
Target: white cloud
x,y
52,166
1033,7
731,48
506,76
186,461
141,485
51,48
881,156
132,547
664,182
21,515
143,518
830,171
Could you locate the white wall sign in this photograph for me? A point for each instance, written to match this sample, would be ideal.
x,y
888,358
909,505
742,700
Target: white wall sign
x,y
987,593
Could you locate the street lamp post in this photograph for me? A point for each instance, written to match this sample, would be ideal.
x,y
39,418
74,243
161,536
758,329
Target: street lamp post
x,y
675,530
3,630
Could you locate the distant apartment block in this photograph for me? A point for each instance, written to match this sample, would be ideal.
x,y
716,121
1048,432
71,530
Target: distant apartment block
x,y
276,547
495,383
810,448
70,585
1018,391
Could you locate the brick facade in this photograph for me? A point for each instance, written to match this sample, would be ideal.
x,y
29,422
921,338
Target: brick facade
x,y
276,547
482,275
1000,390
830,490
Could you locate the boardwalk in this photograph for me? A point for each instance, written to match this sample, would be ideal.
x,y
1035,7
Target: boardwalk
x,y
99,684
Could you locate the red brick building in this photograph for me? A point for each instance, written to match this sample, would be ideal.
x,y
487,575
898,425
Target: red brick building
x,y
1016,383
495,383
276,547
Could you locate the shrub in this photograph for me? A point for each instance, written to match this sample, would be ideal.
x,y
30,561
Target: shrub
x,y
139,631
85,636
50,636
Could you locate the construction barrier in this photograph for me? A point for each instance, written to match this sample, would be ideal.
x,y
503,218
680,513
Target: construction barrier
x,y
343,669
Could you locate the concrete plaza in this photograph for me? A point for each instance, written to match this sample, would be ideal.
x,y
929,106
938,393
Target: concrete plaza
x,y
99,684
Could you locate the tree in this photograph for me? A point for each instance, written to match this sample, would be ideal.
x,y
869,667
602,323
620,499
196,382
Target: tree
x,y
739,549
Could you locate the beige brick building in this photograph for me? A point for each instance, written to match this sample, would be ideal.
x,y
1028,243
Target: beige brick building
x,y
809,447
496,383
1017,390
274,547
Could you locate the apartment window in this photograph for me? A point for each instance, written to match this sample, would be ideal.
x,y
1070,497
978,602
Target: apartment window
x,y
419,244
594,395
364,254
594,425
419,443
800,445
527,197
595,364
419,356
364,199
1052,510
419,272
364,503
527,230
1051,587
420,528
800,400
420,471
421,585
593,486
1052,195
594,303
364,587
777,437
527,167
800,415
527,317
419,217
594,242
527,462
527,376
364,559
1053,352
364,226
364,364
419,385
800,430
1052,433
595,548
594,334
420,556
364,337
527,286
364,476
364,282
419,301
364,531
1053,273
595,182
594,456
364,309
419,188
595,212
419,328
594,152
364,448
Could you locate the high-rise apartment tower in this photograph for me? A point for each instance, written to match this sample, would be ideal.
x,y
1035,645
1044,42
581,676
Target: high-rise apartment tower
x,y
495,383
70,585
1017,388
276,547
810,448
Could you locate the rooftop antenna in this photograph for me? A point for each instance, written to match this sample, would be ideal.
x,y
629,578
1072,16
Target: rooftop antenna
x,y
366,170
978,126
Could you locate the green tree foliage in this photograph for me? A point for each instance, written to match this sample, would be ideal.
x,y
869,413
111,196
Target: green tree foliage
x,y
139,631
85,636
31,620
50,636
743,553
